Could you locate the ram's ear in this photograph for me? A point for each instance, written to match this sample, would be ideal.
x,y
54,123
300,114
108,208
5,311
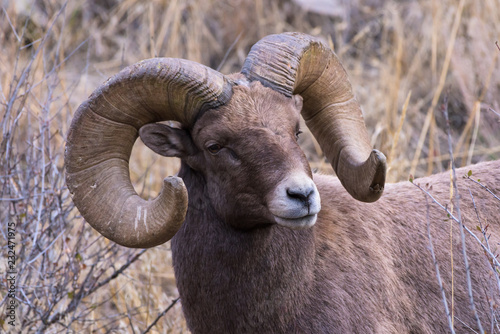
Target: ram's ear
x,y
167,141
298,101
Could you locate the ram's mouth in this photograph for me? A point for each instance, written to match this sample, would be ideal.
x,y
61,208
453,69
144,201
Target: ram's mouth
x,y
297,223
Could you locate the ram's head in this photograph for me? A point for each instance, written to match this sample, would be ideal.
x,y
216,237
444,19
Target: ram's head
x,y
237,131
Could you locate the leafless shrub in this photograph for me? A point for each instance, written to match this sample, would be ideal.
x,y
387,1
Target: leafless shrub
x,y
490,252
62,268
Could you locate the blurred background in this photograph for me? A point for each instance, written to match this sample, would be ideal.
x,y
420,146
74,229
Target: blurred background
x,y
404,59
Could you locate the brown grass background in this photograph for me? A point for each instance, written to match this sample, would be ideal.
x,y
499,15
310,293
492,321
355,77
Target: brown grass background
x,y
54,53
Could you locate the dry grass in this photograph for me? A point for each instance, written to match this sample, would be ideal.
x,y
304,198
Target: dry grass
x,y
54,53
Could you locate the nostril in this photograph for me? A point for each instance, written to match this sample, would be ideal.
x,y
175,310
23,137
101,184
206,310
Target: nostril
x,y
299,193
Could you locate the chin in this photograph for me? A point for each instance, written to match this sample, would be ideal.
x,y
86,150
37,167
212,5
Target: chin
x,y
297,223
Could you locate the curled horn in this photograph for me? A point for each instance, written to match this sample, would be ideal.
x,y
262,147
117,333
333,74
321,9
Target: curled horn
x,y
103,133
295,63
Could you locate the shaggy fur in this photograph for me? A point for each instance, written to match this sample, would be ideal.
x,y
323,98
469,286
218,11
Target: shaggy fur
x,y
363,268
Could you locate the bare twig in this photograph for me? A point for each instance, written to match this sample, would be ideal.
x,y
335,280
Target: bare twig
x,y
486,240
459,215
455,219
161,315
11,25
483,186
436,266
118,272
229,51
491,109
465,325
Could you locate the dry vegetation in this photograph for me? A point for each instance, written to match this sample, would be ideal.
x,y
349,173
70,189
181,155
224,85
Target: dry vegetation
x,y
55,52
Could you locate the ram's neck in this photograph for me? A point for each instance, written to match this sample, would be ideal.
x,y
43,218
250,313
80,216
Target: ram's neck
x,y
229,278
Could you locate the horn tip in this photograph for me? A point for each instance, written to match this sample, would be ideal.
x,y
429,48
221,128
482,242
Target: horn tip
x,y
174,181
379,162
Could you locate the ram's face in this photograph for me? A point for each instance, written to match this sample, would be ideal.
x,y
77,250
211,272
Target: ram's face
x,y
247,152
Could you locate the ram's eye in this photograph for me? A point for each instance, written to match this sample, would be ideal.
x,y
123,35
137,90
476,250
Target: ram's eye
x,y
297,134
214,148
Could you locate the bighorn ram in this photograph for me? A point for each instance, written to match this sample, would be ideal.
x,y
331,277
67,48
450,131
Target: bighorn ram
x,y
254,250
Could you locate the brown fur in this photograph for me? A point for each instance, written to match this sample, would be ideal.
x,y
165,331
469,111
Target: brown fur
x,y
363,268
384,273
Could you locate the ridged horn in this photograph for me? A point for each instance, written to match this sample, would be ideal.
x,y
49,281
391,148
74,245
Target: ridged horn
x,y
102,134
295,63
